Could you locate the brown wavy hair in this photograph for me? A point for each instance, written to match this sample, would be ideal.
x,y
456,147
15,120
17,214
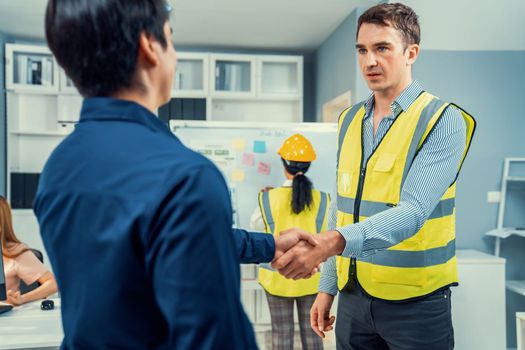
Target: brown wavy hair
x,y
397,15
7,234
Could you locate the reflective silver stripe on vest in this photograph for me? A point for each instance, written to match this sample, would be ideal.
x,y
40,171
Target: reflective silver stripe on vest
x,y
445,207
344,127
321,213
427,114
267,211
267,266
403,258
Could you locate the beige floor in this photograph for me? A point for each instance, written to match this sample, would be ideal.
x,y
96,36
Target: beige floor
x,y
264,340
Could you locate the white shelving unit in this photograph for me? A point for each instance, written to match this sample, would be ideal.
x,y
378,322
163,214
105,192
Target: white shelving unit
x,y
501,232
238,87
42,106
265,88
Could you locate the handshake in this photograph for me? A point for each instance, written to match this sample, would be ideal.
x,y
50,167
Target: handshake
x,y
298,253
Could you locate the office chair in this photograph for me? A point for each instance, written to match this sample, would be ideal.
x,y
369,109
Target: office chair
x,y
24,288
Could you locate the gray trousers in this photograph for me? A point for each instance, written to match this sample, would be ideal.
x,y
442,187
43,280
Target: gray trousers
x,y
281,312
368,323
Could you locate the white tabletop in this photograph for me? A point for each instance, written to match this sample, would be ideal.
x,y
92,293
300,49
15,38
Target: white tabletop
x,y
470,256
27,327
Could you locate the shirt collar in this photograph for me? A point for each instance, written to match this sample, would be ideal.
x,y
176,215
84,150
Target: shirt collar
x,y
287,183
106,109
401,103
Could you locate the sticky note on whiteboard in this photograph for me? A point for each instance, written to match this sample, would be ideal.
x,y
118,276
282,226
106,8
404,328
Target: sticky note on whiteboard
x,y
238,175
263,168
259,146
248,159
238,144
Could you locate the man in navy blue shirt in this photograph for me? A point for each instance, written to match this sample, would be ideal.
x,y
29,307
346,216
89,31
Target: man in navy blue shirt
x,y
137,226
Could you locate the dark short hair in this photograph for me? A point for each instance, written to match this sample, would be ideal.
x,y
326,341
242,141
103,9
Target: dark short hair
x,y
399,16
97,41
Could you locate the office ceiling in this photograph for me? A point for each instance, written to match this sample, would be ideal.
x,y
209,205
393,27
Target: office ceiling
x,y
305,24
267,24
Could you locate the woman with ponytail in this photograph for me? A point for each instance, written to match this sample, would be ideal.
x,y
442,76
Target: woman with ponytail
x,y
295,204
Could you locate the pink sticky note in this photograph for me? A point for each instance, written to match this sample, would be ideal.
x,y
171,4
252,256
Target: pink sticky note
x,y
248,159
263,168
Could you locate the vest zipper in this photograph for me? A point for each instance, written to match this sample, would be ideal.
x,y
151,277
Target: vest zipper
x,y
357,203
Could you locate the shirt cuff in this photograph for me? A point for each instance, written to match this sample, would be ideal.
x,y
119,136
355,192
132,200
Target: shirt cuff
x,y
328,284
353,236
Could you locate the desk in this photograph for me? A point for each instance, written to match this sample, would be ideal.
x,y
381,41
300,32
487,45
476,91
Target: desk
x,y
28,327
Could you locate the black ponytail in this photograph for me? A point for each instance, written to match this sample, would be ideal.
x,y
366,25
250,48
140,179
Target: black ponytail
x,y
301,185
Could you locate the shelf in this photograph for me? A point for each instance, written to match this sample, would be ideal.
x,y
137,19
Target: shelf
x,y
507,232
39,133
515,178
516,286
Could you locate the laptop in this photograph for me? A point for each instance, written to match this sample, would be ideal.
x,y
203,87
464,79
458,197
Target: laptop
x,y
3,294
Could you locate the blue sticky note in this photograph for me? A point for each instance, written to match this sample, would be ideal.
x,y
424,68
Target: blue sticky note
x,y
259,146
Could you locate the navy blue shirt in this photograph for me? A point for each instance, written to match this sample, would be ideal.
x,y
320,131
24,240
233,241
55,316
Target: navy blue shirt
x,y
138,231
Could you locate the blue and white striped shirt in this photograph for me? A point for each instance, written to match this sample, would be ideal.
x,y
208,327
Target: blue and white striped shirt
x,y
432,172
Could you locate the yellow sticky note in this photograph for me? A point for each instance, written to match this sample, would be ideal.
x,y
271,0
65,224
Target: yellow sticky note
x,y
238,175
238,144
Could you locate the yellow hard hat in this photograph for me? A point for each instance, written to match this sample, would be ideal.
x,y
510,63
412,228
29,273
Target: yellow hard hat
x,y
297,148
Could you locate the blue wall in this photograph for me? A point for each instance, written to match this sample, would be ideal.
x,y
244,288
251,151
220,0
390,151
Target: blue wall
x,y
489,85
335,64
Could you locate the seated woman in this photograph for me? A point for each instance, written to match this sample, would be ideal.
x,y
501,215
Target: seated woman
x,y
20,263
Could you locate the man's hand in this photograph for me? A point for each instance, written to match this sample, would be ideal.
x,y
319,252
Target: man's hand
x,y
287,239
300,260
320,318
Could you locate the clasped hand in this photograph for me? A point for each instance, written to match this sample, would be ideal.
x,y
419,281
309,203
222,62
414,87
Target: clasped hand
x,y
298,253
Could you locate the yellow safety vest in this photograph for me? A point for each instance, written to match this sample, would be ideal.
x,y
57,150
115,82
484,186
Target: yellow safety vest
x,y
424,262
277,216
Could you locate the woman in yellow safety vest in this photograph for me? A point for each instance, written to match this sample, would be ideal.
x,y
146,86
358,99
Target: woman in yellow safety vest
x,y
294,204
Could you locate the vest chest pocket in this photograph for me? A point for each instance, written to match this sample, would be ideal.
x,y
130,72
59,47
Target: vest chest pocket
x,y
385,163
344,183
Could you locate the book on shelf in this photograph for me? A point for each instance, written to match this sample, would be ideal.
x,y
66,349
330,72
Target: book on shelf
x,y
35,69
47,71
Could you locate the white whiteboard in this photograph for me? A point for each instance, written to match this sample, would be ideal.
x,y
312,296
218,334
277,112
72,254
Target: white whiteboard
x,y
247,155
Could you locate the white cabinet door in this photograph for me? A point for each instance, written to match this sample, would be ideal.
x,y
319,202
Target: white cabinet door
x,y
280,77
232,76
191,75
31,68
